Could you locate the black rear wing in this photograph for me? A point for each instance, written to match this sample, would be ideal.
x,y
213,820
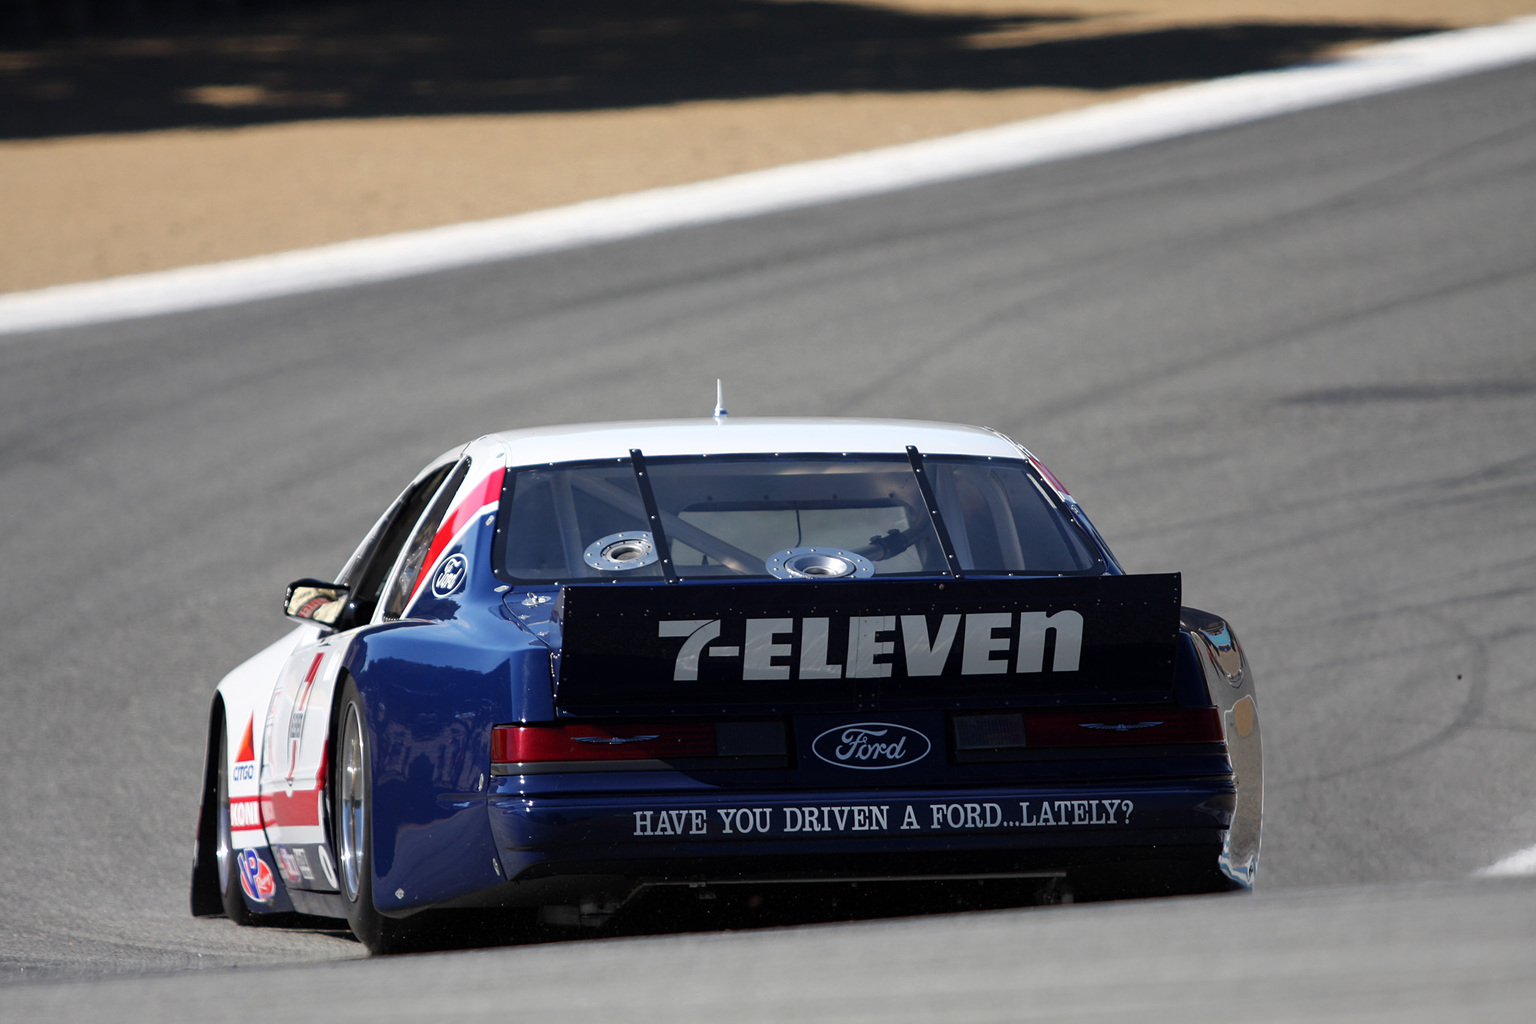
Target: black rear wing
x,y
802,646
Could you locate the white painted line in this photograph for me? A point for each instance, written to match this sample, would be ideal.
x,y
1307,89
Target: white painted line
x,y
1157,116
1516,864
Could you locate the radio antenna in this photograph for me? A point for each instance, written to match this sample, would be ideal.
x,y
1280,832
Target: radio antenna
x,y
720,413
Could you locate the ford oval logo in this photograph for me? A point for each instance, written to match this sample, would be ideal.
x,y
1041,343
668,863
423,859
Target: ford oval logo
x,y
871,746
450,576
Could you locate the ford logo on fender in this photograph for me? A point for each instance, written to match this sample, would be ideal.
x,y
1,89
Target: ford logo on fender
x,y
871,746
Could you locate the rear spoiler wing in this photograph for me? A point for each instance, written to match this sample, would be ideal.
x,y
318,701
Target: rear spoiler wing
x,y
711,647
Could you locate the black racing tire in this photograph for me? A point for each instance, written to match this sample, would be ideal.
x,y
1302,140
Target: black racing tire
x,y
224,852
351,818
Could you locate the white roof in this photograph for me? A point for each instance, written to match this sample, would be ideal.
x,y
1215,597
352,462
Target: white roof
x,y
744,435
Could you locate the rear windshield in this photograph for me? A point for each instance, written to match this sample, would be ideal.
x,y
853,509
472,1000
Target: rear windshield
x,y
785,516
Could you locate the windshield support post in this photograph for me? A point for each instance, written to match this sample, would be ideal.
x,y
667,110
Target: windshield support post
x,y
653,515
924,488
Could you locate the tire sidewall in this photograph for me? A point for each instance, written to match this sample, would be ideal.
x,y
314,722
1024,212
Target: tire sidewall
x,y
227,868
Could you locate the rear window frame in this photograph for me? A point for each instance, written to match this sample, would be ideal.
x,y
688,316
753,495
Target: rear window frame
x,y
1061,516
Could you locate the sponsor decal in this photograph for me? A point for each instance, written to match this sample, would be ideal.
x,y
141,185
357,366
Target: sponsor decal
x,y
244,813
651,649
941,816
871,746
255,877
983,643
286,865
449,578
244,768
293,864
301,860
247,748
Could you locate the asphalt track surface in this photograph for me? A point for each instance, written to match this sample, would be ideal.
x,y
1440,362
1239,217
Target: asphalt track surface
x,y
1294,360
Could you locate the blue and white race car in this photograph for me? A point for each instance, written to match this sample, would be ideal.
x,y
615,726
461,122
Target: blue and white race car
x,y
571,664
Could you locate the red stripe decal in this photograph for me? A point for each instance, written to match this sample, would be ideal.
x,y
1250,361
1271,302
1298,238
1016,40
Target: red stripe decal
x,y
302,700
300,808
486,492
1050,478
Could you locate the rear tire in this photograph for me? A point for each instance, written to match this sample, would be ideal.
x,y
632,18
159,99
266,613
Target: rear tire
x,y
351,815
224,852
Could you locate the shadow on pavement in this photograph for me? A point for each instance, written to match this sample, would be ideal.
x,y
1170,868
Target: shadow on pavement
x,y
95,66
681,910
730,908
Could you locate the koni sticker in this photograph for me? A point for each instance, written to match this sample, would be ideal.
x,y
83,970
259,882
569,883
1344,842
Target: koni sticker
x,y
244,813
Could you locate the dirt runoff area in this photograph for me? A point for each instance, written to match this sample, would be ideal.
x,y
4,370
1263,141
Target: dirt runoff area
x,y
157,143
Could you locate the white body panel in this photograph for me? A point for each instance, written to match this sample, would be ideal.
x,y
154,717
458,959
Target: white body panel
x,y
247,693
733,436
293,748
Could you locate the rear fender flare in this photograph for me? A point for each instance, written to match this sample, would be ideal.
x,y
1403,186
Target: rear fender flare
x,y
430,697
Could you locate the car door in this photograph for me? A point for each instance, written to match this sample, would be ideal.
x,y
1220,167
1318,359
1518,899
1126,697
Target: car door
x,y
297,726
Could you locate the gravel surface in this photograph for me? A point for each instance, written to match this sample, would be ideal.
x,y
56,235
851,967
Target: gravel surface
x,y
178,142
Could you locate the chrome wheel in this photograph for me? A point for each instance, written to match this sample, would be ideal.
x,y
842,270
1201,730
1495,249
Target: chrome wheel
x,y
352,821
351,795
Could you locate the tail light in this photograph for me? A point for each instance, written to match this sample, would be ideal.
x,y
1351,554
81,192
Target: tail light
x,y
1116,728
532,746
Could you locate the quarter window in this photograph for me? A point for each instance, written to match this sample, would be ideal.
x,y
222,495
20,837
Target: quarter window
x,y
404,584
370,567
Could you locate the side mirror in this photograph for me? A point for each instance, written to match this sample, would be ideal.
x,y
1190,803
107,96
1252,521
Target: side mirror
x,y
316,601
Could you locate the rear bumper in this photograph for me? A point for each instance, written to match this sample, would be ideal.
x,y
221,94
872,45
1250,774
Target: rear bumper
x,y
557,849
